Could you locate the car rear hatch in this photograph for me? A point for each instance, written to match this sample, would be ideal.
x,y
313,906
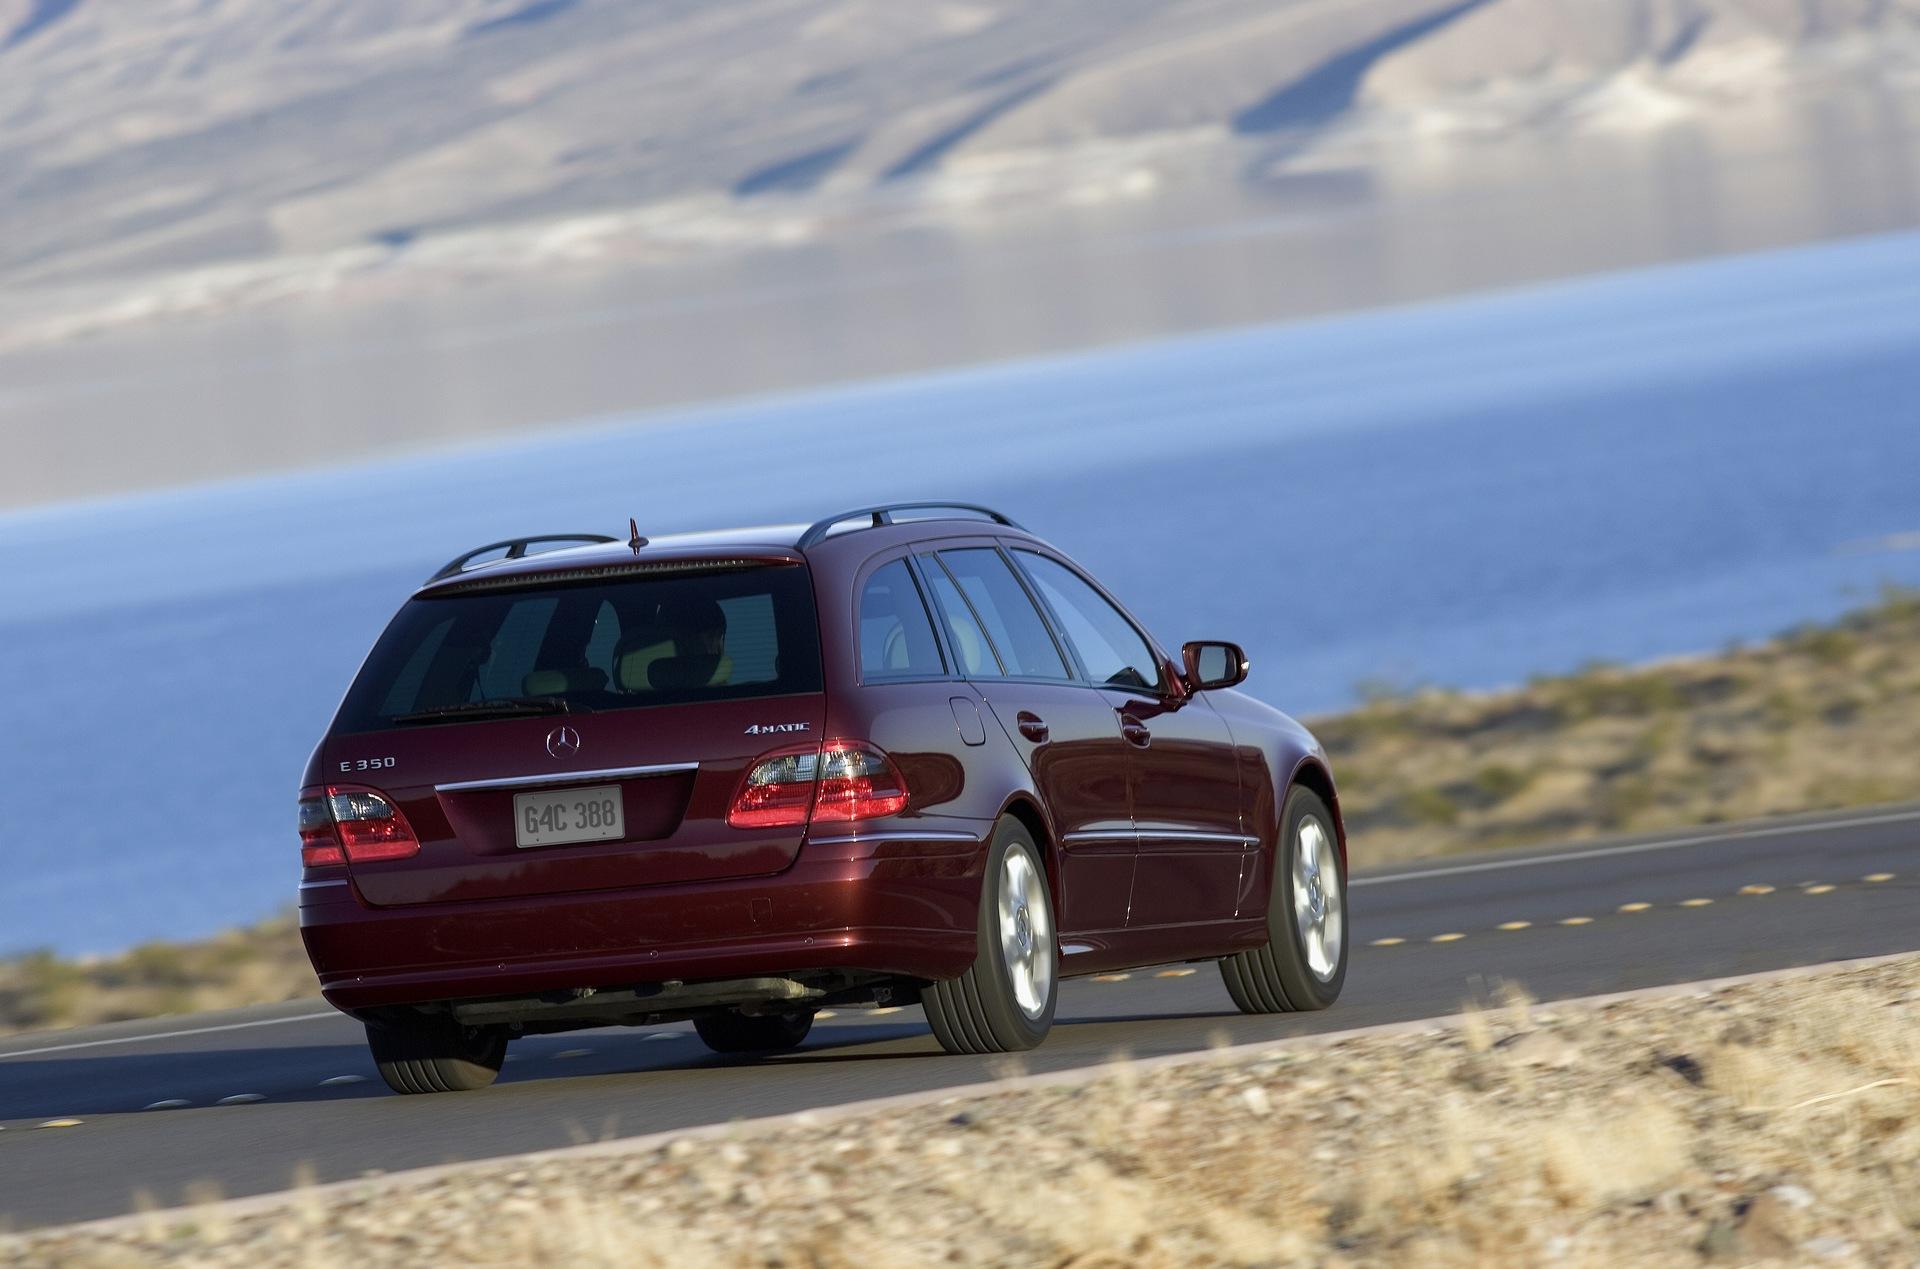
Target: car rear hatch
x,y
581,729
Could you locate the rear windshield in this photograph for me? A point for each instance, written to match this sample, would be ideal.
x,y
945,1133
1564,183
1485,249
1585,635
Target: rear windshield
x,y
616,644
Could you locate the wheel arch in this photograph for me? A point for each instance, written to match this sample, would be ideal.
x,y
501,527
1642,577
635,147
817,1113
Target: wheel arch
x,y
1023,807
1312,774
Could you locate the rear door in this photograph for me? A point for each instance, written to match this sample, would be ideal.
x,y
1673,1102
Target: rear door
x,y
1068,734
1182,770
581,735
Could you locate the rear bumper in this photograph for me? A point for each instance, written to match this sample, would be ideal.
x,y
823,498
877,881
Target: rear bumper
x,y
889,906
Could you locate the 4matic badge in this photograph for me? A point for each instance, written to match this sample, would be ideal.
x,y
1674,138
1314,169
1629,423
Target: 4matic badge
x,y
767,729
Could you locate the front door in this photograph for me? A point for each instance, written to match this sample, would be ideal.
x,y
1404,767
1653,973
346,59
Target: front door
x,y
1185,789
1182,778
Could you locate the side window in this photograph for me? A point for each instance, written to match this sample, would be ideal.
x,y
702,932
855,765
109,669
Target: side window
x,y
964,635
1014,625
1114,652
896,635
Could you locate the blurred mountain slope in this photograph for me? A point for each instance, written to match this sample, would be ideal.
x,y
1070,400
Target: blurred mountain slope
x,y
176,133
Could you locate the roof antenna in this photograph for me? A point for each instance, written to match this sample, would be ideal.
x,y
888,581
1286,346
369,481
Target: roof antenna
x,y
634,539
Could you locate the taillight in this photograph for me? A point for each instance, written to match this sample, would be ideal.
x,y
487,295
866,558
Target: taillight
x,y
353,824
841,780
857,782
778,790
318,846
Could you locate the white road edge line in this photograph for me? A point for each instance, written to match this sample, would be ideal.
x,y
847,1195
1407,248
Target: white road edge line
x,y
168,1035
1105,1068
1635,848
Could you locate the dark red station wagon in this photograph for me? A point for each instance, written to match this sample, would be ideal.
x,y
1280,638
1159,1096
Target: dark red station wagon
x,y
909,752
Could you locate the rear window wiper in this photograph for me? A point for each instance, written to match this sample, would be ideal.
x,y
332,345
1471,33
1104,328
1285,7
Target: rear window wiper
x,y
504,707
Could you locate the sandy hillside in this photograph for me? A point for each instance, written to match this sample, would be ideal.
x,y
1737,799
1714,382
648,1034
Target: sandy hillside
x,y
173,132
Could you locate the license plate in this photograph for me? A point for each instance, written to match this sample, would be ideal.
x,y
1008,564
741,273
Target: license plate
x,y
569,815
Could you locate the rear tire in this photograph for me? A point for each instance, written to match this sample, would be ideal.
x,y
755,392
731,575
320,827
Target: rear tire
x,y
1005,1002
737,1033
437,1055
1304,963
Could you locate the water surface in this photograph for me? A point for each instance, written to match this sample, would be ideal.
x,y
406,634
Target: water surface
x,y
1463,493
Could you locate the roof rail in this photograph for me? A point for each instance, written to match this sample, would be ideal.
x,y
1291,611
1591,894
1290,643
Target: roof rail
x,y
516,548
884,515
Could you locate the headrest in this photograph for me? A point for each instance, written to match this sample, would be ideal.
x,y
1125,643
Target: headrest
x,y
634,658
556,682
677,674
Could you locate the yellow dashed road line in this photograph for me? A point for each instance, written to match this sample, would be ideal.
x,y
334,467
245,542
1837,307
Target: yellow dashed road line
x,y
61,1123
1173,973
1757,888
1111,978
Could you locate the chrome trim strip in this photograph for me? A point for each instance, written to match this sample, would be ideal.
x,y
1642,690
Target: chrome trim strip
x,y
1158,835
1074,949
1195,835
926,835
566,777
322,885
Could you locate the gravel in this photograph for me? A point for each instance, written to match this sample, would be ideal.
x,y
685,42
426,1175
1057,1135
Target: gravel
x,y
1776,1120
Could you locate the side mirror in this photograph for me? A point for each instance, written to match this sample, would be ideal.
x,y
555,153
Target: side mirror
x,y
1212,665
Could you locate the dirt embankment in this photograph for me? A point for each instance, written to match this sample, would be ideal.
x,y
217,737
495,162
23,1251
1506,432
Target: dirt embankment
x,y
1763,1121
1823,718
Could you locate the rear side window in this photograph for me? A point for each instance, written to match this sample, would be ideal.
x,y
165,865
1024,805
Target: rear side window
x,y
1114,653
964,635
896,635
1000,602
607,645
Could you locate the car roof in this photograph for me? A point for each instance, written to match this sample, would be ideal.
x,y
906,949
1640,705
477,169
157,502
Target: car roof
x,y
769,544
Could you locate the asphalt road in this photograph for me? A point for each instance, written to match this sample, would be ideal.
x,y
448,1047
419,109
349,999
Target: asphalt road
x,y
101,1121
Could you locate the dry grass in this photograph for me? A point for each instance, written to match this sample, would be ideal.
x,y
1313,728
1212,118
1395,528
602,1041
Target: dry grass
x,y
1776,1121
255,965
1825,718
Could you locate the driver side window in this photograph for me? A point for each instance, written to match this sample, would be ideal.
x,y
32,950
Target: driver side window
x,y
1115,654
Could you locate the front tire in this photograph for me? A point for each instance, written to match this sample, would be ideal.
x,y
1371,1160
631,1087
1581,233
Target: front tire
x,y
436,1055
1304,963
1005,1002
737,1033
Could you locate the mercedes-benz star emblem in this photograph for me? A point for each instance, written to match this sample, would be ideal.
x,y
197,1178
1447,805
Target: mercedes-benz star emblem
x,y
563,742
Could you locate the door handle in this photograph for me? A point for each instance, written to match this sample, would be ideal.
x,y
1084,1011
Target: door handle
x,y
1136,732
1032,726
